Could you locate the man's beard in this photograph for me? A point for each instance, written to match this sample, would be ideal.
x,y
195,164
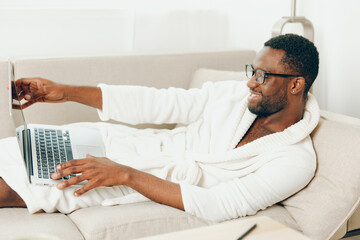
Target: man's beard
x,y
269,104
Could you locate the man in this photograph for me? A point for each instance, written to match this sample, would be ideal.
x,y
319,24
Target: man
x,y
238,152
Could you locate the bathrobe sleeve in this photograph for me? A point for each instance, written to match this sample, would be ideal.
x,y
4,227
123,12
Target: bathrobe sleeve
x,y
138,104
272,183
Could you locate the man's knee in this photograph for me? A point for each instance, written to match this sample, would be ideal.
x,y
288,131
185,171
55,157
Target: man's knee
x,y
8,197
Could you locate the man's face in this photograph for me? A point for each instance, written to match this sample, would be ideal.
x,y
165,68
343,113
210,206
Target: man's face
x,y
271,96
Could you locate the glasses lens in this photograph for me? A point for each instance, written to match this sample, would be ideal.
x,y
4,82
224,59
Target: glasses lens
x,y
249,71
259,76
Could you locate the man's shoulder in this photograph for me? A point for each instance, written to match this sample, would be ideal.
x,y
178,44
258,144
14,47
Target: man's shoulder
x,y
300,154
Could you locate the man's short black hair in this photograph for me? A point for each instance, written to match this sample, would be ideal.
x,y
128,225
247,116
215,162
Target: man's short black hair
x,y
301,56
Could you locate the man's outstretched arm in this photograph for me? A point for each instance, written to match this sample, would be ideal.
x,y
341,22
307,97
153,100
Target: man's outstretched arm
x,y
42,90
104,172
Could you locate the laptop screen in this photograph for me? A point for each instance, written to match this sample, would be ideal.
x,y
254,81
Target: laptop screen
x,y
15,105
17,115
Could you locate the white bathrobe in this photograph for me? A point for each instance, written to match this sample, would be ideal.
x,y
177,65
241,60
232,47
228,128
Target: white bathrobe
x,y
218,181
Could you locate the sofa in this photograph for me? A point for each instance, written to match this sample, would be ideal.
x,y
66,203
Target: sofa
x,y
327,208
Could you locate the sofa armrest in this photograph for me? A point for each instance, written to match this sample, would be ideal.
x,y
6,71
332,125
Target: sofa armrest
x,y
7,128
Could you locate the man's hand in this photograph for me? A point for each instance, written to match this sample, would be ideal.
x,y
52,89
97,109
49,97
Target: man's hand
x,y
97,171
37,90
104,172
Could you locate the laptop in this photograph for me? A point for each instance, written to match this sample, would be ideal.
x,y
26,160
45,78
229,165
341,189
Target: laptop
x,y
43,147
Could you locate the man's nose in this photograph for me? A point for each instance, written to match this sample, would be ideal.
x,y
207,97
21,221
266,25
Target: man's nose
x,y
252,83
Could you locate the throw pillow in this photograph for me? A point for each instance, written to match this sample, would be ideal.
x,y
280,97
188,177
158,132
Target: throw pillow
x,y
205,75
333,195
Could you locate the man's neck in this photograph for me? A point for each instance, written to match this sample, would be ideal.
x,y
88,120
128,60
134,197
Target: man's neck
x,y
279,121
263,126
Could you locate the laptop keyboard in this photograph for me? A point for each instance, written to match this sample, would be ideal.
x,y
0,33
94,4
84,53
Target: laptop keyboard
x,y
52,148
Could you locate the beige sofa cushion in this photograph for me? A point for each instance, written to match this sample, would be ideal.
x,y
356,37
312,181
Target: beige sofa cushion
x,y
333,195
203,75
149,218
131,221
278,213
17,223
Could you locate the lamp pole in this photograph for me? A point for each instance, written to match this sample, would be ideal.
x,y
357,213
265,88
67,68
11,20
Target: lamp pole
x,y
307,25
293,8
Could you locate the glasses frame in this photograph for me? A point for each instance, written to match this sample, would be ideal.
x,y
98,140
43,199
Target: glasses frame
x,y
265,74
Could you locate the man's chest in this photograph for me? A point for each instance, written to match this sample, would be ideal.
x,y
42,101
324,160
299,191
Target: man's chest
x,y
256,131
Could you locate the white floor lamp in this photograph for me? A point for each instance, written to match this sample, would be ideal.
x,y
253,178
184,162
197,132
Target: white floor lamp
x,y
306,24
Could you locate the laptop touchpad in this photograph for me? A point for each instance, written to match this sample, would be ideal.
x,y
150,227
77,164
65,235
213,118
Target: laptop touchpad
x,y
95,151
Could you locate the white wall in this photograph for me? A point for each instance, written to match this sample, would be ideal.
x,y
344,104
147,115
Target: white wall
x,y
52,32
337,37
108,27
101,27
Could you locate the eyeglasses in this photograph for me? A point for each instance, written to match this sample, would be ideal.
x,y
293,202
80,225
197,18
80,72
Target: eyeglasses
x,y
261,75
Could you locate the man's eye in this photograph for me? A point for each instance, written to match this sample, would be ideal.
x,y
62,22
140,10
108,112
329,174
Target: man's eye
x,y
260,74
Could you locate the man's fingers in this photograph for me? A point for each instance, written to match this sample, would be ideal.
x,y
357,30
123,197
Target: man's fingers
x,y
20,97
27,81
24,90
67,172
16,91
72,181
23,106
29,95
18,83
33,95
29,85
71,163
19,86
28,104
87,187
16,106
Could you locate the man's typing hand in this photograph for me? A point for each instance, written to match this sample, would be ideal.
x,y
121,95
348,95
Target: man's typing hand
x,y
34,90
104,172
97,171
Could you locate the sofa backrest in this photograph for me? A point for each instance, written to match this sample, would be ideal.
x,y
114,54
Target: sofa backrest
x,y
160,71
333,195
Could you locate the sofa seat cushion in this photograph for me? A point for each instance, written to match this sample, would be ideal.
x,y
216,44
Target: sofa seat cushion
x,y
130,221
136,220
17,223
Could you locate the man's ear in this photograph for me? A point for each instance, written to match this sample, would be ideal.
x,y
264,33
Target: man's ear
x,y
297,85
